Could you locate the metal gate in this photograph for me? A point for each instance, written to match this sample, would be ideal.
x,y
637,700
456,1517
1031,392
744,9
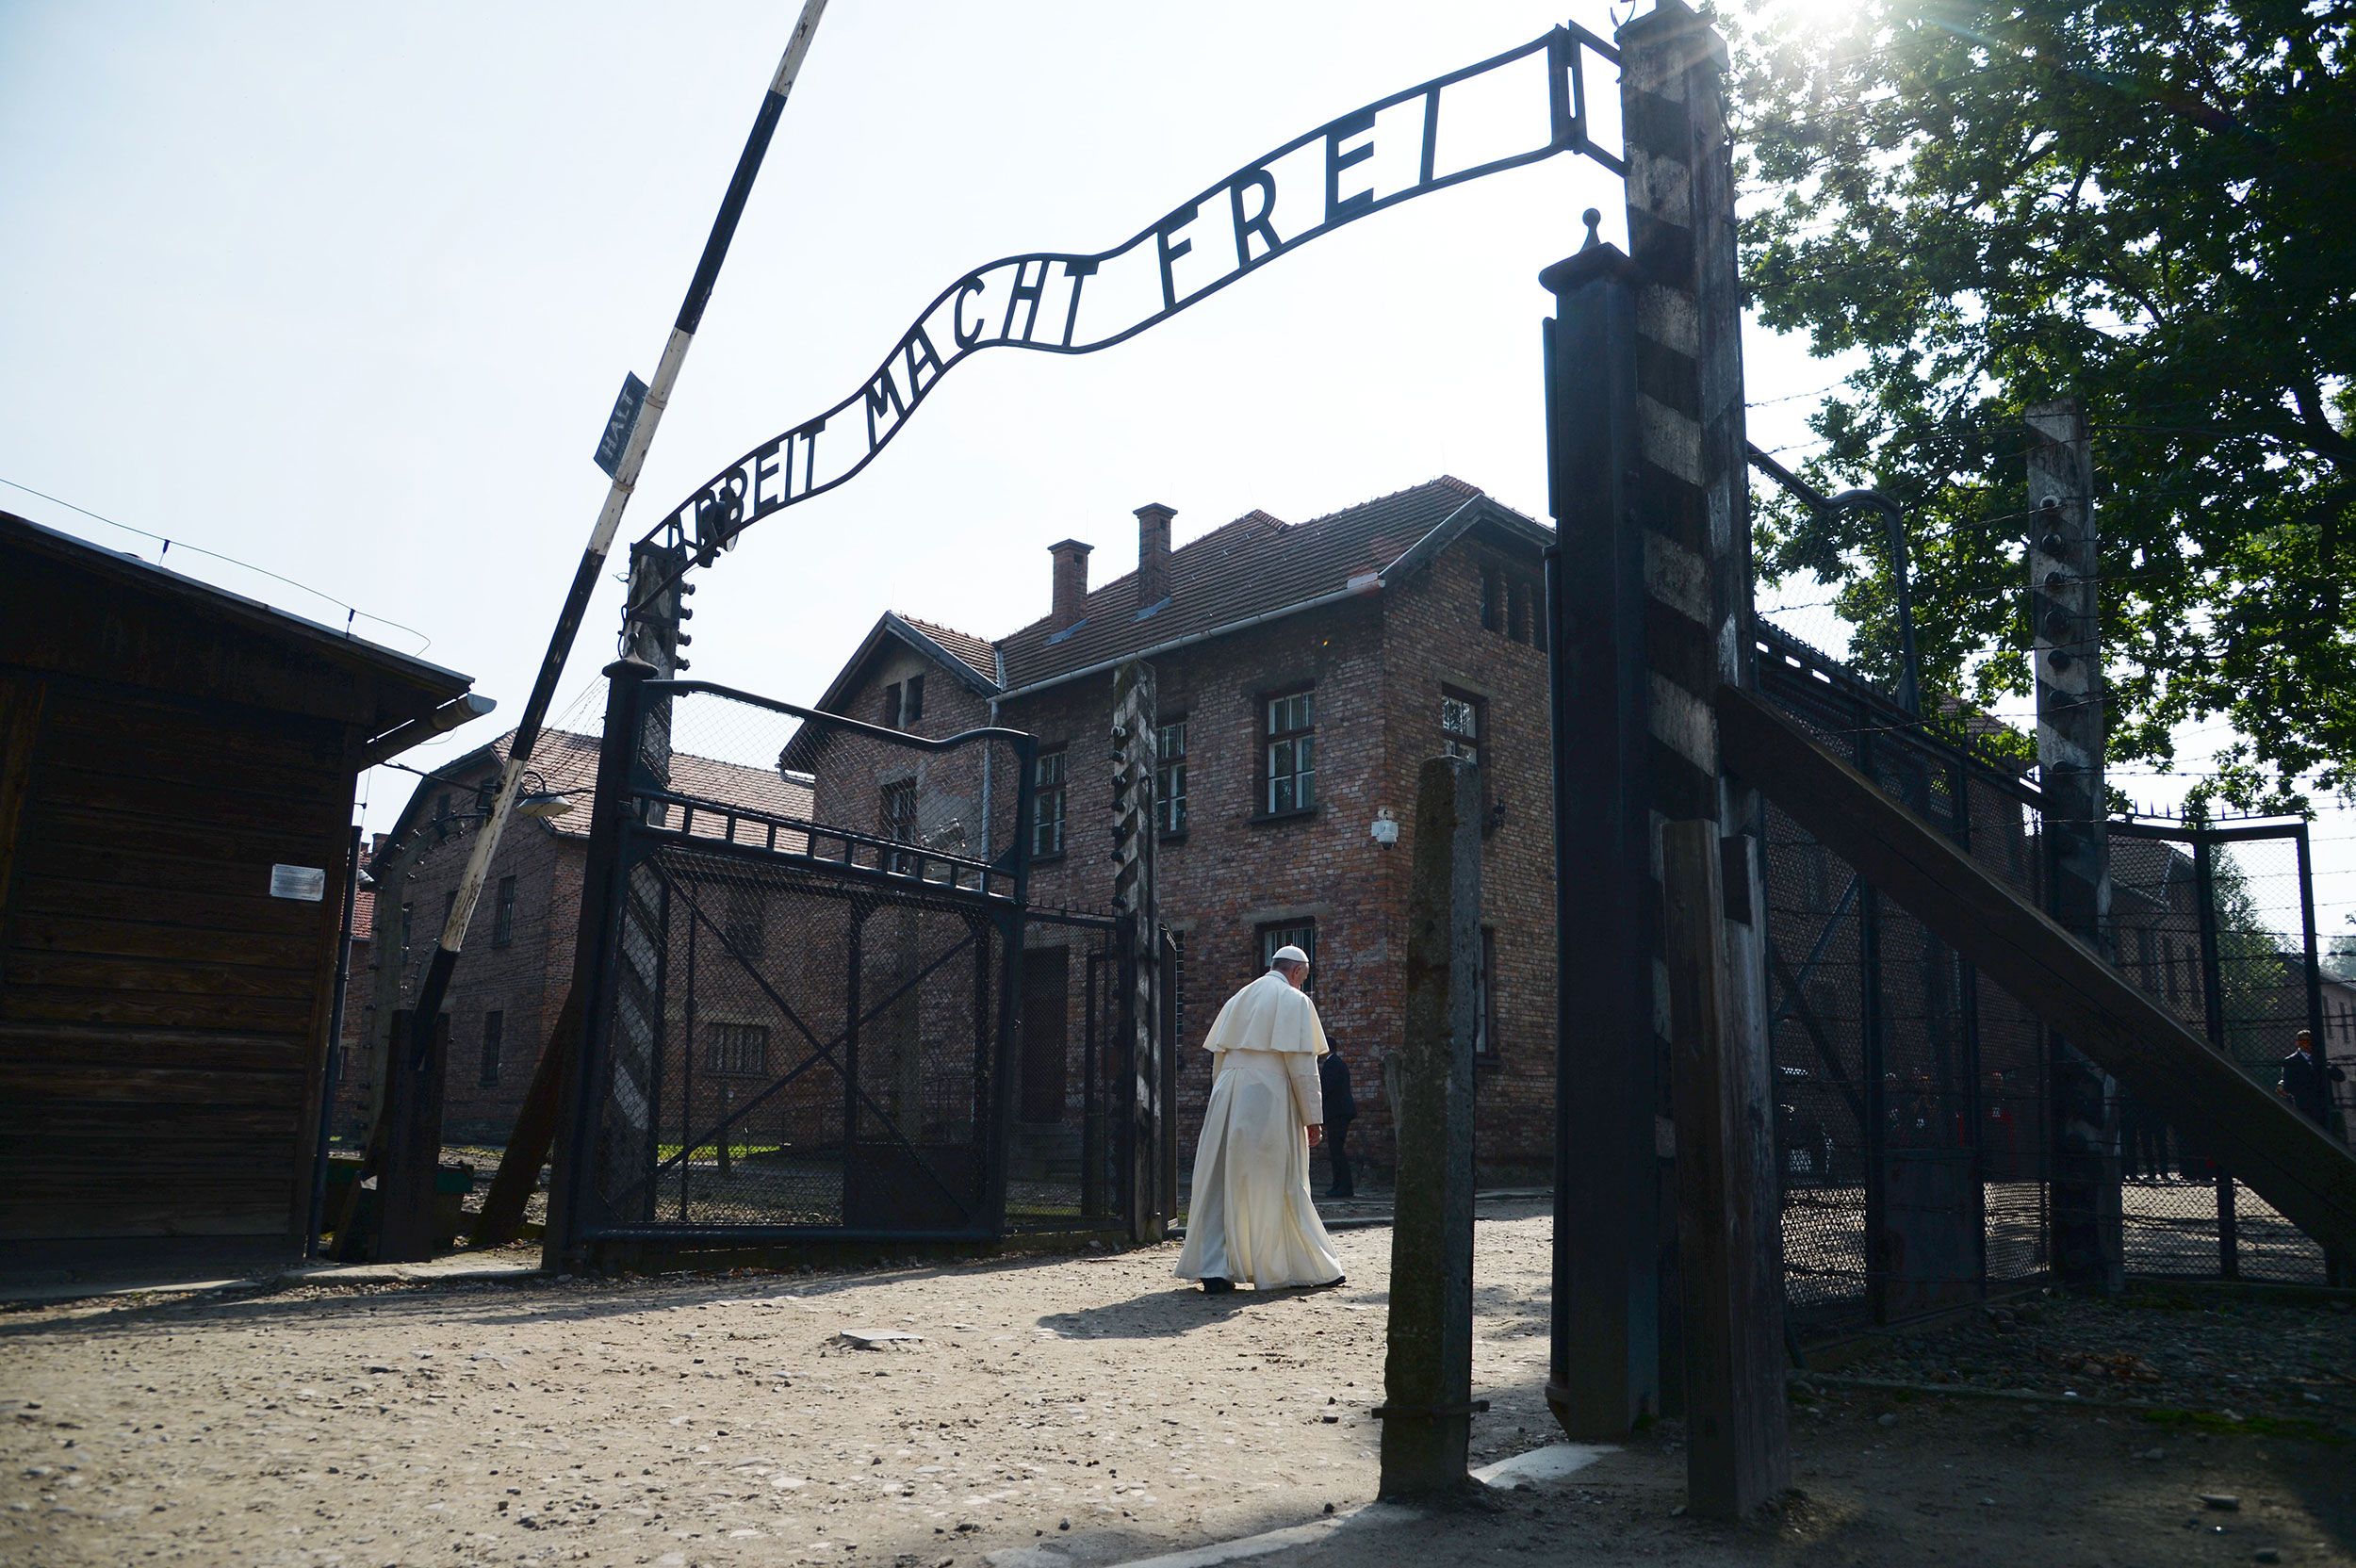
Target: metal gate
x,y
808,979
2217,922
1911,1114
1912,1119
1070,1146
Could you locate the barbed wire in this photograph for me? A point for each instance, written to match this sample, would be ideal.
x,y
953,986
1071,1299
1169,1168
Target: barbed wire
x,y
350,611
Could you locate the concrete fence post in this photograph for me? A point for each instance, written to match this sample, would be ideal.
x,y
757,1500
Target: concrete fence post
x,y
1427,1378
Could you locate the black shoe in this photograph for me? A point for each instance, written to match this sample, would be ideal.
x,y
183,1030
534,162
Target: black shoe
x,y
1218,1286
1336,1279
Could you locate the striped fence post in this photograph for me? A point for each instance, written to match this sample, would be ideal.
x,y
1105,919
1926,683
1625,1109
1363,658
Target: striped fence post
x,y
1693,496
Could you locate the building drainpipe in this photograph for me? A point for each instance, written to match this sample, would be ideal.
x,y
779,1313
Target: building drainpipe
x,y
335,1052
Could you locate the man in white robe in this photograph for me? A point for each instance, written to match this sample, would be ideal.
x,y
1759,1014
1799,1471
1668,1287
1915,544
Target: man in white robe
x,y
1250,1216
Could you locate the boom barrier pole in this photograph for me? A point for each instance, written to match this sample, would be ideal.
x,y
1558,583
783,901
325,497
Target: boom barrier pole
x,y
657,394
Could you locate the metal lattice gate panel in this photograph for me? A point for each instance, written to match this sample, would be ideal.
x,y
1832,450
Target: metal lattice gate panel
x,y
2217,922
1911,1126
1912,1123
809,1015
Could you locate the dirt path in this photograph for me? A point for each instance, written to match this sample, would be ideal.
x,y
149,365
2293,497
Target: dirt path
x,y
1078,1410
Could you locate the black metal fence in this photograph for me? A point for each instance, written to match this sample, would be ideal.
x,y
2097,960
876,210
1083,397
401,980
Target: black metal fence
x,y
2217,922
816,1012
1912,1122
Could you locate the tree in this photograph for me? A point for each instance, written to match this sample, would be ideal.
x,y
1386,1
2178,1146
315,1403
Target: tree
x,y
2144,204
2338,959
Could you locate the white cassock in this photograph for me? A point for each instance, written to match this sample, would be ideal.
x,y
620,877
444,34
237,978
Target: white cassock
x,y
1251,1218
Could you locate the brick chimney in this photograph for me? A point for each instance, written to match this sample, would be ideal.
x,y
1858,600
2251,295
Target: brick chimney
x,y
1072,583
1154,553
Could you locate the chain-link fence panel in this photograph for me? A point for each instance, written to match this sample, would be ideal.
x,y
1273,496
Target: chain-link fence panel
x,y
810,977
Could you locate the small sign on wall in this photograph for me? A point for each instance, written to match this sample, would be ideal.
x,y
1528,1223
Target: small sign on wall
x,y
307,883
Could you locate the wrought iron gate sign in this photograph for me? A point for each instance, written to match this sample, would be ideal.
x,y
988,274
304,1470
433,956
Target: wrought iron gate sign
x,y
1477,121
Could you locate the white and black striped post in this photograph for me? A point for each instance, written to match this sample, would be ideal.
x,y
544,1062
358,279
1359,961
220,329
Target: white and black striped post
x,y
1667,503
2088,1238
438,975
1152,1206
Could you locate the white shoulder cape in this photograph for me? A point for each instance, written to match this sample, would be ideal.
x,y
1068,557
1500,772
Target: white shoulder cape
x,y
1269,1015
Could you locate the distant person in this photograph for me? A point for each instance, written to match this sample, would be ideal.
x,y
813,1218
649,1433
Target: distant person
x,y
1340,1107
2306,1081
1251,1216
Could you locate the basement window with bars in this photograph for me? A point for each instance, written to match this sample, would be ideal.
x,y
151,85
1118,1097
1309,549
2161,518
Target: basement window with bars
x,y
1169,776
739,1048
1290,754
1047,806
1302,934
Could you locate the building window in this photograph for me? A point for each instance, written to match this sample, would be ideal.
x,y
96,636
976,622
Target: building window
x,y
1047,806
1519,628
1492,600
898,817
1460,726
1291,753
1169,776
736,1047
746,921
503,914
494,1036
1485,991
1302,934
904,703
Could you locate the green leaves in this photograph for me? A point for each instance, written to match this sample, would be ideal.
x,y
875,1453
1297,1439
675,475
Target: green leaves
x,y
2144,207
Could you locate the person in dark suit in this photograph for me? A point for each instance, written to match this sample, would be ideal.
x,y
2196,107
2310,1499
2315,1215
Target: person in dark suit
x,y
1333,1082
2306,1081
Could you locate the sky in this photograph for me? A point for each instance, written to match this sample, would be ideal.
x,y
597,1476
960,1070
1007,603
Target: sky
x,y
344,293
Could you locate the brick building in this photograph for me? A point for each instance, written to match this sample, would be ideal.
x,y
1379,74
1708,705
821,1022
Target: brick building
x,y
518,959
1305,671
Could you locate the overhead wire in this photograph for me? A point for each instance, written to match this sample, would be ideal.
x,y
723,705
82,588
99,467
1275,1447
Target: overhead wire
x,y
350,610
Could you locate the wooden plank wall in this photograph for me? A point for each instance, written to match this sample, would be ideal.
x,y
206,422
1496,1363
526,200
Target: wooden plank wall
x,y
160,1014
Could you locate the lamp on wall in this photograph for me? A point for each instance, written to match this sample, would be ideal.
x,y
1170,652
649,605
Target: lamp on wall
x,y
1385,828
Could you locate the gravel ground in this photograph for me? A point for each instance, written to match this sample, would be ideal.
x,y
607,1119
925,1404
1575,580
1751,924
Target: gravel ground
x,y
1055,1410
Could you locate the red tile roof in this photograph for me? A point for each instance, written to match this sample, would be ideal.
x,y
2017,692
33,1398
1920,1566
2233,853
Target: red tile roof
x,y
566,761
1251,567
1256,566
974,653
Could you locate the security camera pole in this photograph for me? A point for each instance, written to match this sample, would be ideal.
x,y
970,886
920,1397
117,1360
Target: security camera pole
x,y
633,428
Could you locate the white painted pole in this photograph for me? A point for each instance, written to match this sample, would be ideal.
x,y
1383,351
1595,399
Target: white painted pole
x,y
437,976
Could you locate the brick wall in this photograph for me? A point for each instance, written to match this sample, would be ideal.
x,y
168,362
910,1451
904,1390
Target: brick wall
x,y
1434,645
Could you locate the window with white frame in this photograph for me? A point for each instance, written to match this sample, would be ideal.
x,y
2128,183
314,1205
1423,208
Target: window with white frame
x,y
1460,726
1047,804
1170,776
1291,753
